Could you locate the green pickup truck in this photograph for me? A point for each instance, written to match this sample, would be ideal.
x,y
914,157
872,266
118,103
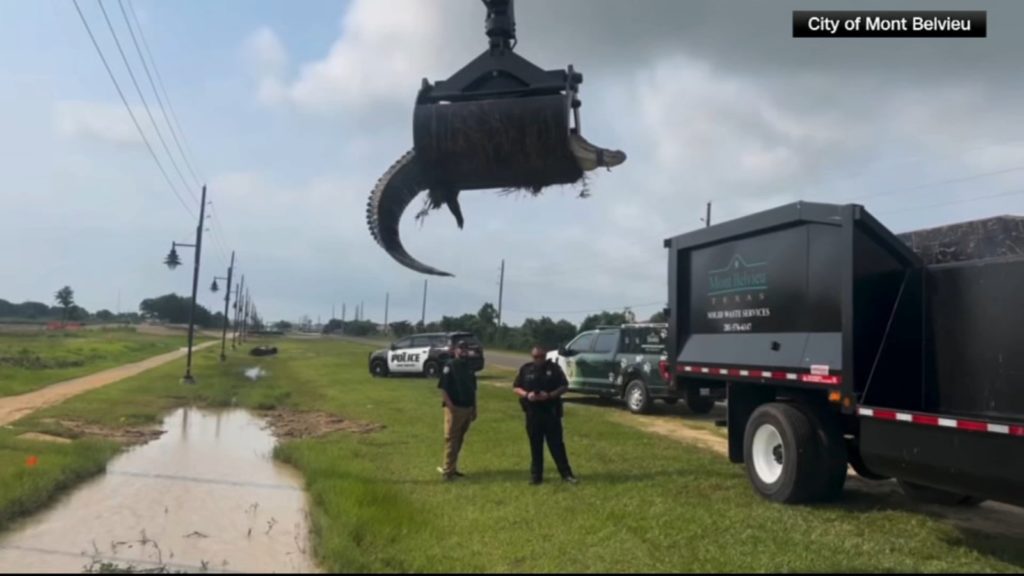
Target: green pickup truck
x,y
627,362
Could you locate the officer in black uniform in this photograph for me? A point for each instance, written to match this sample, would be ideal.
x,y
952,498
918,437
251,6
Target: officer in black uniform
x,y
540,385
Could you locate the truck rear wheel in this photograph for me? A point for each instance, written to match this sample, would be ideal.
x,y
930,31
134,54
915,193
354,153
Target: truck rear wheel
x,y
781,453
929,495
637,399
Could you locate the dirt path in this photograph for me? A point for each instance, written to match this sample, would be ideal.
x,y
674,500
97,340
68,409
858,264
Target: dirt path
x,y
15,407
676,430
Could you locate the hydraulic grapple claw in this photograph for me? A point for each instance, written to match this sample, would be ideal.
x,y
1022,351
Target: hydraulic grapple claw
x,y
500,122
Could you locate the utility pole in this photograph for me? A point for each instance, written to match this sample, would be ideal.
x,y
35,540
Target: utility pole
x,y
238,313
362,312
188,379
423,317
245,317
501,291
387,301
707,219
227,302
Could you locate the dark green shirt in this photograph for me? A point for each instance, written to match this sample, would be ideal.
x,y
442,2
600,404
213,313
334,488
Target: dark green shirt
x,y
459,380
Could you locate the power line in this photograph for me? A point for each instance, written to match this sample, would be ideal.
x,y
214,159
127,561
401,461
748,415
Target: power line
x,y
152,85
221,247
889,162
145,104
220,228
213,227
951,202
129,109
167,98
939,183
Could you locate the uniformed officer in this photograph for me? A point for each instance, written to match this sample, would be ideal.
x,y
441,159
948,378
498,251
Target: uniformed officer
x,y
540,385
458,392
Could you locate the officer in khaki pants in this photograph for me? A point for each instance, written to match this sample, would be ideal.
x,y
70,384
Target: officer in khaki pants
x,y
458,390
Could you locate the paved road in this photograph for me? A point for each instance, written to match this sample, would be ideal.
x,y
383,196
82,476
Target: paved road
x,y
501,359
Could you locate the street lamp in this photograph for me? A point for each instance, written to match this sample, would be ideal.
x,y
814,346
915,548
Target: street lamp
x,y
173,261
227,300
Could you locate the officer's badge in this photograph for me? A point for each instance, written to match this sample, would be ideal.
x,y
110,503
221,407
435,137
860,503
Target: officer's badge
x,y
447,369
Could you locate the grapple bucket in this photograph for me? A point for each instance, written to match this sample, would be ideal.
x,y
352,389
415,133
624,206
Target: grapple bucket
x,y
516,142
499,122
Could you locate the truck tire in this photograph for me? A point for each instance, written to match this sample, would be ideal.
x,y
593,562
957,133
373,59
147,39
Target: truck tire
x,y
378,368
638,400
929,495
696,403
782,454
431,369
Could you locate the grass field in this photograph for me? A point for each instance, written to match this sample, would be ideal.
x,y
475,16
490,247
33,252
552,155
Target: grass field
x,y
644,503
32,360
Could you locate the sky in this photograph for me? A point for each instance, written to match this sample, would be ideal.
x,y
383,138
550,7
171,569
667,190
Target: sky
x,y
290,111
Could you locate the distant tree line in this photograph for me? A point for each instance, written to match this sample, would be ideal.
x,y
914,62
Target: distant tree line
x,y
169,308
545,331
174,309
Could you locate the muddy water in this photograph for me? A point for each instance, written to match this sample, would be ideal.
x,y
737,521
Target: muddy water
x,y
207,494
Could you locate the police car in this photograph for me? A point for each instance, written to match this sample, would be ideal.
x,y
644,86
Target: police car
x,y
424,354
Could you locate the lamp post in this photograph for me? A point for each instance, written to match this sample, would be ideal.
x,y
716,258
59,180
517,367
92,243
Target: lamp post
x,y
173,261
236,329
227,303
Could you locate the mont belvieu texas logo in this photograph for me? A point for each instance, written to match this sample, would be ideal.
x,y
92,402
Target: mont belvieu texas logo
x,y
738,277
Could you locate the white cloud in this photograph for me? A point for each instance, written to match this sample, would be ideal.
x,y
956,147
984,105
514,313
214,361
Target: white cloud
x,y
384,50
267,59
266,53
107,122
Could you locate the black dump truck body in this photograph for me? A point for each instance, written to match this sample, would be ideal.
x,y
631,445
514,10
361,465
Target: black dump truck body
x,y
904,356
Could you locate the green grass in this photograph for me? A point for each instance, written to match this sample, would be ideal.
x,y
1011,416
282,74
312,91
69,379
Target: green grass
x,y
644,504
29,361
24,489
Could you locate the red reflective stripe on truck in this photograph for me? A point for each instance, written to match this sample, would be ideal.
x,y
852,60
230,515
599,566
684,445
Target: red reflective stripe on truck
x,y
760,374
941,421
968,425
